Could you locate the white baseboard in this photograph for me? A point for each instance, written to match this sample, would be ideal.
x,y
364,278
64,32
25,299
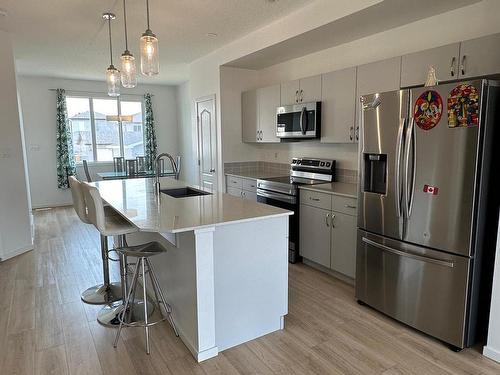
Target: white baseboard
x,y
491,353
13,253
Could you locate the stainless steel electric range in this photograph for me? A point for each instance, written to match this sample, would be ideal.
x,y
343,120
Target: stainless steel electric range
x,y
283,192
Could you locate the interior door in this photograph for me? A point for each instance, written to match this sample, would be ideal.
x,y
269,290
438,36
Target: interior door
x,y
441,184
207,142
383,120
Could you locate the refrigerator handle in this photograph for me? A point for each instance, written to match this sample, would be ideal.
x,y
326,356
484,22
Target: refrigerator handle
x,y
409,188
399,155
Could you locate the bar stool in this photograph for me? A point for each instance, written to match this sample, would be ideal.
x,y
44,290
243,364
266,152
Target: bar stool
x,y
106,292
112,225
142,267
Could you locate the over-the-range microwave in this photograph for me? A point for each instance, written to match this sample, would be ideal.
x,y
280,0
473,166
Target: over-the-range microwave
x,y
302,121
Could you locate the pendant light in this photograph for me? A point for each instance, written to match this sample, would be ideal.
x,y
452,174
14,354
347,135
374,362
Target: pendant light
x,y
112,74
150,64
128,72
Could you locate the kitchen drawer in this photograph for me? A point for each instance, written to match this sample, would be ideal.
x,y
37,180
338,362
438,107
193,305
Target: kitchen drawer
x,y
316,199
250,185
345,205
234,182
233,191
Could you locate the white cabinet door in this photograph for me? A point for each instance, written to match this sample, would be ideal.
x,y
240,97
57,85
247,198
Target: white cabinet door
x,y
343,255
338,107
268,102
379,76
249,116
415,66
315,234
310,89
480,57
289,92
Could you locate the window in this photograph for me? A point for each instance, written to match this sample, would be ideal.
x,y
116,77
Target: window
x,y
104,128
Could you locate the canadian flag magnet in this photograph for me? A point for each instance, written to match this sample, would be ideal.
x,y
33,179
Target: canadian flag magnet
x,y
432,190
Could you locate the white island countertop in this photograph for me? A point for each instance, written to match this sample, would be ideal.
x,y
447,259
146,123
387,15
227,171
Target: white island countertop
x,y
136,200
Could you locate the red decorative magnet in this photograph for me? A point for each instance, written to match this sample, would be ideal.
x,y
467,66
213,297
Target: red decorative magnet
x,y
463,107
428,110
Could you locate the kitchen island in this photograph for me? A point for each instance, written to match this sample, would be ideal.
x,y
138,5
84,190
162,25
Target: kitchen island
x,y
225,271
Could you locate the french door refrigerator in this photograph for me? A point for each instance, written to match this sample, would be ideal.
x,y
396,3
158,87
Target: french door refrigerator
x,y
428,208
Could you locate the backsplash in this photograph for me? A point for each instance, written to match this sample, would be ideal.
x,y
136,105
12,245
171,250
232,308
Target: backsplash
x,y
341,175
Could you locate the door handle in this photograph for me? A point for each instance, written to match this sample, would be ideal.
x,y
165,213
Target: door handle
x,y
410,144
350,206
462,65
302,114
399,153
357,133
327,220
314,199
452,66
422,258
331,220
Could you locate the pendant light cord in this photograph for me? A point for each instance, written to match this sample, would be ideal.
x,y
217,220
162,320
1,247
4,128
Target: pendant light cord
x,y
125,21
147,12
110,43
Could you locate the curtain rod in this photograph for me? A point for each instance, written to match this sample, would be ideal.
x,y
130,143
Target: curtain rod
x,y
97,92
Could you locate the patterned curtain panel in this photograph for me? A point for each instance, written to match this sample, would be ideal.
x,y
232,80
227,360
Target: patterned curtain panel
x,y
64,149
149,133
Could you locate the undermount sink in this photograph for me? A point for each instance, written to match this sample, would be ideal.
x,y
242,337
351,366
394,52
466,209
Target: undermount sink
x,y
184,192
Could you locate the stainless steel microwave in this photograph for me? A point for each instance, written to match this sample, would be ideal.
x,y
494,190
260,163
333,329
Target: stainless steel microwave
x,y
301,120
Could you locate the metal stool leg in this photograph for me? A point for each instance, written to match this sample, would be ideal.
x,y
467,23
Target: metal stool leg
x,y
107,292
158,290
127,302
145,296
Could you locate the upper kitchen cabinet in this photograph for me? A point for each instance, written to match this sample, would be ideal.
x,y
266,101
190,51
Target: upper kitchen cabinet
x,y
415,66
268,99
249,116
338,95
258,114
480,57
301,90
379,76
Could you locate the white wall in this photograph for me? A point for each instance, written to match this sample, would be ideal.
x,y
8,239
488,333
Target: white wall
x,y
15,225
477,20
39,113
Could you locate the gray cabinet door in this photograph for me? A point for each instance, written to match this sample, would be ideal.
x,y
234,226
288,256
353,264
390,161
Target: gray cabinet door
x,y
379,76
310,89
249,116
315,234
480,57
290,92
338,95
343,256
268,101
415,66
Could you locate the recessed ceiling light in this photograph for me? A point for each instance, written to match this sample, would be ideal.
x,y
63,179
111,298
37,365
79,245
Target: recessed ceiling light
x,y
212,35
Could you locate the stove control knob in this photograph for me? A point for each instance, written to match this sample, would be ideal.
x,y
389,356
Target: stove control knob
x,y
322,164
299,162
294,161
327,163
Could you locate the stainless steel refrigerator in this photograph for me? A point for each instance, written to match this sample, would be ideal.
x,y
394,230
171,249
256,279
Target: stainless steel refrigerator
x,y
428,208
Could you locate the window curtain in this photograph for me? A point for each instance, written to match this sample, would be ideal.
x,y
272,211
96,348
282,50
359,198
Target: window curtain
x,y
149,133
64,149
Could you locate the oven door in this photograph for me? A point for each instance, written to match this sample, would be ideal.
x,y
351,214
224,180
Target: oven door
x,y
287,202
298,121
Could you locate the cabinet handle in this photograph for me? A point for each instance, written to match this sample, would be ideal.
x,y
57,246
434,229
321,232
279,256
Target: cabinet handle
x,y
350,206
357,133
297,96
351,129
314,199
301,95
333,218
452,66
212,170
462,65
327,220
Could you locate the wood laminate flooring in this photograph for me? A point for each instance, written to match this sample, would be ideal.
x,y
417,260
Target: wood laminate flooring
x,y
46,329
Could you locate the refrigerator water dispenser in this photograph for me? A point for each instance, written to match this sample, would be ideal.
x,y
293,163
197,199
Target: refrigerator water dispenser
x,y
375,173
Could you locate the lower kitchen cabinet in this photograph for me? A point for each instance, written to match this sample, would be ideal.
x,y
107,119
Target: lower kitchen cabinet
x,y
242,187
328,237
315,234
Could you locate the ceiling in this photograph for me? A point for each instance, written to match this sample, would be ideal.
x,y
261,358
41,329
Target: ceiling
x,y
68,39
380,17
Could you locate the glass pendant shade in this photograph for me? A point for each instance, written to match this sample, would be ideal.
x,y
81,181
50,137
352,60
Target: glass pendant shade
x,y
150,64
113,81
128,71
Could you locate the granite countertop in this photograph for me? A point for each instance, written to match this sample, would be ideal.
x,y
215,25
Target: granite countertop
x,y
136,200
256,175
335,188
